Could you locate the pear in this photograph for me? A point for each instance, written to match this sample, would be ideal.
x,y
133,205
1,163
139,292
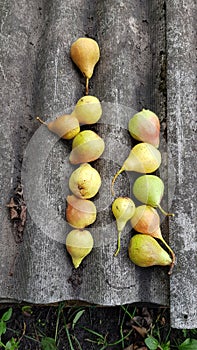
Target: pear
x,y
88,110
86,147
143,158
149,189
146,220
80,212
79,244
66,126
85,53
123,209
85,181
145,251
145,126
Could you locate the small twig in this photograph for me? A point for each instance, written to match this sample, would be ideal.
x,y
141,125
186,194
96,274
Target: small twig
x,y
24,330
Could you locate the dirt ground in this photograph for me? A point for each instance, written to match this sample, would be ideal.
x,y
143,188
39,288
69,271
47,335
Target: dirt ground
x,y
91,327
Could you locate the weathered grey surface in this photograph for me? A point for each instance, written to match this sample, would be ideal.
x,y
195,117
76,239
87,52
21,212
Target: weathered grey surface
x,y
181,112
39,78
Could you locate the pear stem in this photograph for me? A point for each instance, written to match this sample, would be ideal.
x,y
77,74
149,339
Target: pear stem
x,y
41,121
118,244
114,179
164,212
87,86
172,254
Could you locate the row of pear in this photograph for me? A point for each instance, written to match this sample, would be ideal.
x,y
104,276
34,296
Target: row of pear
x,y
87,146
80,213
144,158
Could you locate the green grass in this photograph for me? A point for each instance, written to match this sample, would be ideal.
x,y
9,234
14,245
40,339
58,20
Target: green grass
x,y
79,328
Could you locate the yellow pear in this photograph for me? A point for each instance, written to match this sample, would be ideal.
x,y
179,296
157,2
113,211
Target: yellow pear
x,y
85,54
86,147
88,110
143,158
123,209
79,244
85,181
65,126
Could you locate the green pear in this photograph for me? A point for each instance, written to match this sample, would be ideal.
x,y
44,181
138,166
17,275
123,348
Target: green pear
x,y
145,251
149,189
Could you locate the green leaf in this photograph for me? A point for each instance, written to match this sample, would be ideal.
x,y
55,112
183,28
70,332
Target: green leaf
x,y
27,309
48,344
188,344
184,332
151,343
77,317
2,327
166,346
11,345
6,316
8,345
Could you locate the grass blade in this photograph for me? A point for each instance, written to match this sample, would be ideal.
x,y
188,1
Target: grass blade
x,y
77,317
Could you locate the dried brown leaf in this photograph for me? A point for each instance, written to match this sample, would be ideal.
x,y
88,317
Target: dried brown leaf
x,y
137,346
130,347
23,215
141,330
147,316
18,213
13,214
163,321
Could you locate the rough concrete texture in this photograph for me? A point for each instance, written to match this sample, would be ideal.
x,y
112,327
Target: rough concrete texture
x,y
39,78
181,130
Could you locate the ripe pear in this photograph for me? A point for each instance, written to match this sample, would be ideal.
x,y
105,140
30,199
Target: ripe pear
x,y
86,147
146,220
145,251
79,244
85,53
143,158
145,126
85,181
149,189
80,212
88,110
66,126
123,209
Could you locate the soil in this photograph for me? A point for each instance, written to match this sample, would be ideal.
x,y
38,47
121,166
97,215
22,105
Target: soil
x,y
31,325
